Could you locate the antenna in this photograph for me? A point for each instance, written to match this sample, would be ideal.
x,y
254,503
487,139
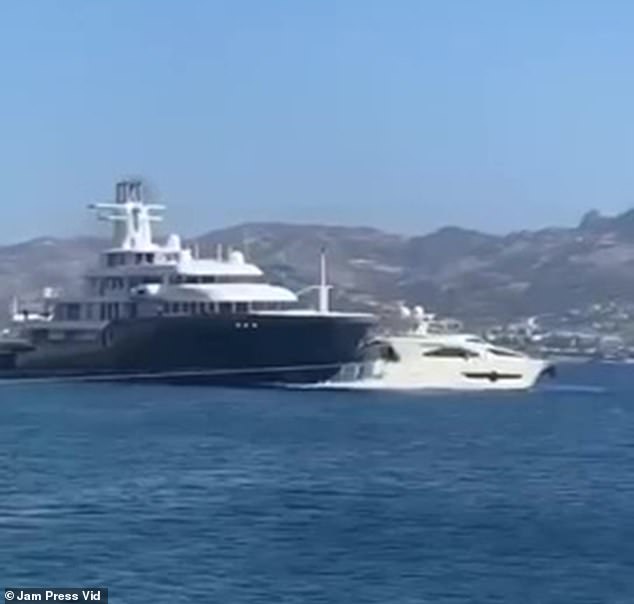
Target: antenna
x,y
324,288
245,242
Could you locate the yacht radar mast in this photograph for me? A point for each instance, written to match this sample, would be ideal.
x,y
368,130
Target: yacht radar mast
x,y
323,289
132,217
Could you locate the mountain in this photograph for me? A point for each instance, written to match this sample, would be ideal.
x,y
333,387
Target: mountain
x,y
453,270
27,267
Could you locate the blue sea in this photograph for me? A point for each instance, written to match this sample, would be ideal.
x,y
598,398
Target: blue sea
x,y
176,494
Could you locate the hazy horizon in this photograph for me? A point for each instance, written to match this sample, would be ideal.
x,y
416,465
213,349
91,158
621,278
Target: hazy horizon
x,y
404,116
101,230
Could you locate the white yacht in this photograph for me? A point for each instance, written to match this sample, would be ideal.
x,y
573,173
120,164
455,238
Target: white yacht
x,y
421,359
156,310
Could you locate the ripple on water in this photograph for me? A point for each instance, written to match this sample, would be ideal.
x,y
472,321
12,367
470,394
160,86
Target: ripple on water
x,y
287,496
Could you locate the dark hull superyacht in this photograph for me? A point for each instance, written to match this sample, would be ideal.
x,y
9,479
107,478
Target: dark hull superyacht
x,y
241,349
157,313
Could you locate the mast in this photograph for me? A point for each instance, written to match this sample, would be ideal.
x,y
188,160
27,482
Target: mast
x,y
132,218
324,288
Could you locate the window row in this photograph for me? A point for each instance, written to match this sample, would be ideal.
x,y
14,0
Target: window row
x,y
122,259
110,311
209,308
103,285
95,312
449,352
200,279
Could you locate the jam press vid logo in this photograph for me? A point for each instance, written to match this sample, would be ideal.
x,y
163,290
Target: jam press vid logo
x,y
56,594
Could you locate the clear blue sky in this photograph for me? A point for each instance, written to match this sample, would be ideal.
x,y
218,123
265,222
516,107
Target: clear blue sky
x,y
403,114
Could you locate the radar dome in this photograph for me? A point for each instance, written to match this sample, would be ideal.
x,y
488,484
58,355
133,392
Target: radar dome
x,y
174,242
236,257
419,312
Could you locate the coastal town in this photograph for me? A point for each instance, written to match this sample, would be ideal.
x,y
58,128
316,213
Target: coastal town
x,y
594,332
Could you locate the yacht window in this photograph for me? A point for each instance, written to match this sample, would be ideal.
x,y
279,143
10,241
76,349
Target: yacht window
x,y
500,352
39,335
448,352
242,307
138,258
388,353
176,308
202,308
142,280
379,349
82,335
115,259
109,311
272,305
239,279
492,376
149,258
212,307
199,279
73,312
225,307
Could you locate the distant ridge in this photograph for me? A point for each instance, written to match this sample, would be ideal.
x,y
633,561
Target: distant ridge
x,y
452,270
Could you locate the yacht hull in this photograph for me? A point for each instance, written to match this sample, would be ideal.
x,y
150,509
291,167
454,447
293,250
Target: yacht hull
x,y
240,349
522,374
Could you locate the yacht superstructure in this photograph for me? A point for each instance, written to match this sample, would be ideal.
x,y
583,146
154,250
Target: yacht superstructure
x,y
158,310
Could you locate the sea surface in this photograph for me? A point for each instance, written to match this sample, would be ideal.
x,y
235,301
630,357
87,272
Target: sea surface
x,y
175,494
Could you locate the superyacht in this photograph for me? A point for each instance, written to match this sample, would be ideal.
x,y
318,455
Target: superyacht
x,y
423,358
158,311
